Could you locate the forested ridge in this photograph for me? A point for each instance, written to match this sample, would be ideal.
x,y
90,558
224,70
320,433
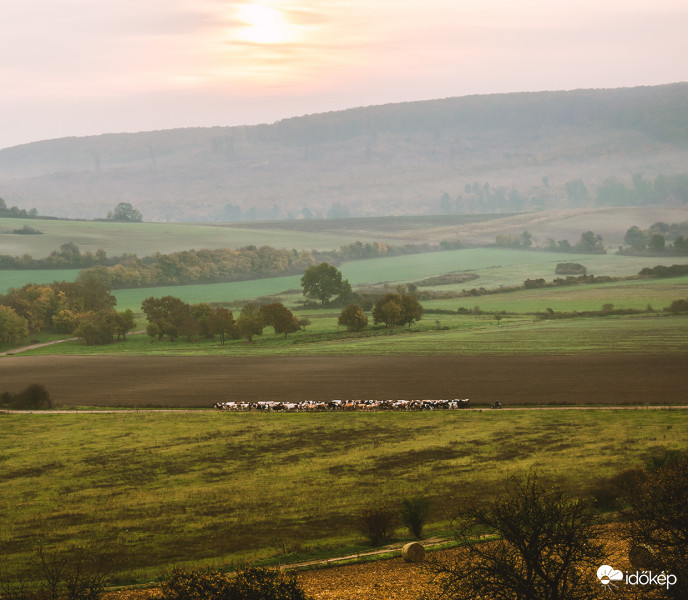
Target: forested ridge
x,y
532,151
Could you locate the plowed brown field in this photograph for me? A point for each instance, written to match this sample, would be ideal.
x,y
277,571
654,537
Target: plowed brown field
x,y
202,381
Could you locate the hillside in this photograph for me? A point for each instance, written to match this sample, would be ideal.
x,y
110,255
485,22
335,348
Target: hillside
x,y
534,151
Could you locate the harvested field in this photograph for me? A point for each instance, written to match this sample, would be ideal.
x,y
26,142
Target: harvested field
x,y
202,381
392,579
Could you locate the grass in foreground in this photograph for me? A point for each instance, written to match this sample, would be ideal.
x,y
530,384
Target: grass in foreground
x,y
217,489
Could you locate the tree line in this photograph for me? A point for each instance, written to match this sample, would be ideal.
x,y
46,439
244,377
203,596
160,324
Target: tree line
x,y
656,240
82,308
589,243
204,266
169,316
16,212
483,197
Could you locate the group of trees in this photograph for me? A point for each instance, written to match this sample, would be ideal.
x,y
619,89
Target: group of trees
x,y
359,250
324,281
390,309
200,266
126,213
172,317
16,212
523,241
203,266
656,240
664,188
483,197
84,308
67,257
589,243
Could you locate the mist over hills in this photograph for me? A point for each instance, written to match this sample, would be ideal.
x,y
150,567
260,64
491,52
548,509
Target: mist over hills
x,y
494,153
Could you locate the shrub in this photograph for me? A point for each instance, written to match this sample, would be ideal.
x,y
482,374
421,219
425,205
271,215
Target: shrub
x,y
353,318
73,573
249,583
659,520
377,525
33,397
414,514
570,268
547,547
530,284
608,493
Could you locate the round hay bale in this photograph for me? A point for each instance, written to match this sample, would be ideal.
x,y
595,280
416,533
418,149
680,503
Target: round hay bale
x,y
413,552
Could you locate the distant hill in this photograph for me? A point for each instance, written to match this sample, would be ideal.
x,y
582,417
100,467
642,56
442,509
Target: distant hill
x,y
494,153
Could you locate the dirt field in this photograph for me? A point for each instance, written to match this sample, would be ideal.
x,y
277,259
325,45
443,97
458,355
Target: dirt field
x,y
202,381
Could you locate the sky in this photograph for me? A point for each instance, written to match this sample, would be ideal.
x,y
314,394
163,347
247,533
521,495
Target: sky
x,y
81,67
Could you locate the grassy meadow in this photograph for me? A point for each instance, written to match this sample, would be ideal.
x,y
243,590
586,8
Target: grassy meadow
x,y
144,239
519,331
435,335
208,488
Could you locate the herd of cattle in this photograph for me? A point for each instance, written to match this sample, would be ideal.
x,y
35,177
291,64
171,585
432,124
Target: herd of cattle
x,y
334,405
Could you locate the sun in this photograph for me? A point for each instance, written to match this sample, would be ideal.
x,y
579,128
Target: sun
x,y
263,24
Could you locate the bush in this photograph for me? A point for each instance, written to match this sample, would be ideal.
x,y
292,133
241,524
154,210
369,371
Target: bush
x,y
249,583
377,525
546,547
73,573
414,514
33,397
570,269
659,519
608,494
353,318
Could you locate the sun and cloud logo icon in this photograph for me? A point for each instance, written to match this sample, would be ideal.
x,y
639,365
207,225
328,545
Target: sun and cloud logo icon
x,y
608,575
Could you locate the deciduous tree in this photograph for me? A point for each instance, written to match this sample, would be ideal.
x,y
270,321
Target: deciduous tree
x,y
221,322
659,521
279,317
387,310
353,318
125,212
635,238
411,310
590,243
124,323
250,322
546,547
170,314
12,326
324,281
97,328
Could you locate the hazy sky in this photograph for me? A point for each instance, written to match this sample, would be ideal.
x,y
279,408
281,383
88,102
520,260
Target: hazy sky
x,y
82,67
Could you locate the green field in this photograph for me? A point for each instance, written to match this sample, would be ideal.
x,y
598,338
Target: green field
x,y
190,488
144,239
434,335
211,292
635,294
16,279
